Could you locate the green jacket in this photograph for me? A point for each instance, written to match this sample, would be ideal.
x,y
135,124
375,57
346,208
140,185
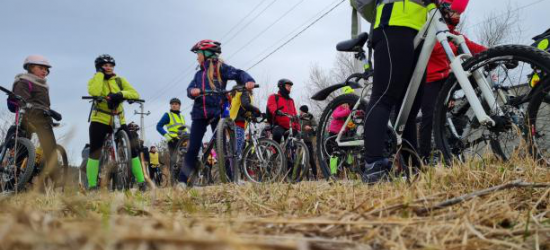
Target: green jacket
x,y
98,86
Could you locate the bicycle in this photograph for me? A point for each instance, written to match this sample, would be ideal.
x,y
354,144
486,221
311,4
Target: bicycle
x,y
18,153
115,159
468,84
177,157
296,152
262,159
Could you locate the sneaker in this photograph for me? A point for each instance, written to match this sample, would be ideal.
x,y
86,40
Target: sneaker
x,y
142,186
377,171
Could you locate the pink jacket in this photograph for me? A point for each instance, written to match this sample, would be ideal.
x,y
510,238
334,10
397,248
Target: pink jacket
x,y
338,119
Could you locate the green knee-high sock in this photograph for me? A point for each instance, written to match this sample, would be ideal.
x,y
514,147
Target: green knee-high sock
x,y
92,169
136,170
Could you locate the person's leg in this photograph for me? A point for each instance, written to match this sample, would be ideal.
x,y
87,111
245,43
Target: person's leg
x,y
198,128
135,149
97,133
431,91
312,163
278,133
240,140
48,144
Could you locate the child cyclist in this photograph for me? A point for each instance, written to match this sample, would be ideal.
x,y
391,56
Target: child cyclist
x,y
116,89
241,109
213,75
437,74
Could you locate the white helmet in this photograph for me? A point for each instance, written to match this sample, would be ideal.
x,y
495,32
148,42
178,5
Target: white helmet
x,y
36,60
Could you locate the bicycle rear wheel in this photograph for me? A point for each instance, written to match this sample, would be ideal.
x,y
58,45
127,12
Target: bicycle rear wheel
x,y
177,159
226,151
123,168
539,124
17,165
297,157
263,162
457,132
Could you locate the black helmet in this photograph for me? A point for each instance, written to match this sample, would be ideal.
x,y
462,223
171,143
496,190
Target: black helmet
x,y
103,59
281,83
304,108
176,100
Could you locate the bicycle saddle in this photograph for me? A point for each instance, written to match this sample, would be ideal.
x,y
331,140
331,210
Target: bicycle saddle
x,y
353,45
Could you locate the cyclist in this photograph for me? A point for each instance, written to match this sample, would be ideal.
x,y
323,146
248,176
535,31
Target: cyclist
x,y
154,164
396,25
213,75
437,74
34,89
241,108
280,103
309,125
115,88
173,120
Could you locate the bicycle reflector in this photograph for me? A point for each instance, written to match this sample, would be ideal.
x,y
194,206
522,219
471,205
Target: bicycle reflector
x,y
459,5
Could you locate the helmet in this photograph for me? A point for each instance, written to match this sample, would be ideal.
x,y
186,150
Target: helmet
x,y
104,59
281,83
208,45
36,60
348,90
175,100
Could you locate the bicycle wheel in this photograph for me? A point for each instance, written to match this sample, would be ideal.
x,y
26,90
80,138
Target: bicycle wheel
x,y
406,162
62,174
326,146
17,165
263,162
297,157
225,149
177,159
458,133
123,168
539,128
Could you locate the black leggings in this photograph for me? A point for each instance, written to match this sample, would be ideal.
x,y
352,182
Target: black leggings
x,y
394,62
98,132
278,133
431,91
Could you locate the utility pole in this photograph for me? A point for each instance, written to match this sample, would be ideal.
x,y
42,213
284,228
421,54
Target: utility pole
x,y
356,30
142,114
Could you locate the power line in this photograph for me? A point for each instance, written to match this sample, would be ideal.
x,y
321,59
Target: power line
x,y
299,33
266,29
292,32
242,20
503,14
250,22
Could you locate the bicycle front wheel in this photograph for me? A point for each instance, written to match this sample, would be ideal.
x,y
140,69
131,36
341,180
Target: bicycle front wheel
x,y
123,168
263,162
17,165
539,125
297,156
458,133
225,148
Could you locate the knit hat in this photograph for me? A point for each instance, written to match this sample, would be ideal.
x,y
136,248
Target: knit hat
x,y
304,108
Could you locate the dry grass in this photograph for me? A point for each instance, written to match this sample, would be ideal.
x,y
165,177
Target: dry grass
x,y
310,215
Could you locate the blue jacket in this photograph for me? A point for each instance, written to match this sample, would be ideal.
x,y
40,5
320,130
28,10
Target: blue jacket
x,y
207,107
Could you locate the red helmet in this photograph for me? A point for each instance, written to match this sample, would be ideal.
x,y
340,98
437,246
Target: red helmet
x,y
209,45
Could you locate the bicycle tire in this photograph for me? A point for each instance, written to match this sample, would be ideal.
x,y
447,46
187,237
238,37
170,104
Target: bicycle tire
x,y
501,56
26,150
63,164
299,158
539,147
177,159
323,129
225,149
268,169
123,169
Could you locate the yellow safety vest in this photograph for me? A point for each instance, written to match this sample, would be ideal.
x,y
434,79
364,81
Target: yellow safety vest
x,y
154,158
405,13
176,121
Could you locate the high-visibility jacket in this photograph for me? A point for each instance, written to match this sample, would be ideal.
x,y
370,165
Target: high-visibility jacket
x,y
98,86
154,158
176,121
405,13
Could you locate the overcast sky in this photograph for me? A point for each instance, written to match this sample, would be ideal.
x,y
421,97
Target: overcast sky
x,y
150,41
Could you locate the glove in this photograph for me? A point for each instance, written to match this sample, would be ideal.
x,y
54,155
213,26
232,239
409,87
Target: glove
x,y
114,99
280,113
99,69
168,137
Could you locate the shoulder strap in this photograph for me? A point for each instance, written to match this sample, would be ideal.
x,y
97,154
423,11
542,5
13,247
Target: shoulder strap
x,y
118,82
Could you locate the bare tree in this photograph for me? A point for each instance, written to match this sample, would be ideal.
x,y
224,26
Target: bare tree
x,y
500,28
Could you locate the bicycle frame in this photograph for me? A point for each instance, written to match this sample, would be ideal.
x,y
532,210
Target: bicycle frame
x,y
436,30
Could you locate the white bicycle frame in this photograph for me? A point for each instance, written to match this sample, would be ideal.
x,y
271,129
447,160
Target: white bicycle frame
x,y
436,30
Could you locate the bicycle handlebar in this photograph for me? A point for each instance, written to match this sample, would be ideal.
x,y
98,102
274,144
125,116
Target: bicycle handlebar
x,y
223,92
102,98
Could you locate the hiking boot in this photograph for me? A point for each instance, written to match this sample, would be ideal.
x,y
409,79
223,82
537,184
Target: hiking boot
x,y
142,187
377,171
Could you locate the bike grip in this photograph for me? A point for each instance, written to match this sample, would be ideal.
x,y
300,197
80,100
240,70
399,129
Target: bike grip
x,y
256,86
87,97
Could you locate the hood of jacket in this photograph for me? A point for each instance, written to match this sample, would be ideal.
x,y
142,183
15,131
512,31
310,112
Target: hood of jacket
x,y
31,78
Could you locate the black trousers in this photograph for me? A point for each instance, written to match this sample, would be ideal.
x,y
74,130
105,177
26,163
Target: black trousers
x,y
394,60
431,91
98,132
278,132
312,162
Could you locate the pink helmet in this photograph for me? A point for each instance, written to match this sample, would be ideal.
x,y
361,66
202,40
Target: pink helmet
x,y
36,60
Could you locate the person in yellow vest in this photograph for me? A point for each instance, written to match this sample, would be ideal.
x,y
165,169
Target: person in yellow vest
x,y
173,120
241,109
395,27
154,164
116,89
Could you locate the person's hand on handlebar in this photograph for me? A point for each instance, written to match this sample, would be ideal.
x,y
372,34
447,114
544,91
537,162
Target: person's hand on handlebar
x,y
195,92
114,99
250,85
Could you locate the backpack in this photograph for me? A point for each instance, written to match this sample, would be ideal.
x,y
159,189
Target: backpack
x,y
13,103
269,116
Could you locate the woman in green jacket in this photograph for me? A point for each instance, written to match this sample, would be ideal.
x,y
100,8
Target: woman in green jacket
x,y
106,83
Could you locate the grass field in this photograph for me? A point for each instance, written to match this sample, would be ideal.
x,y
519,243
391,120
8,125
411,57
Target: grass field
x,y
308,215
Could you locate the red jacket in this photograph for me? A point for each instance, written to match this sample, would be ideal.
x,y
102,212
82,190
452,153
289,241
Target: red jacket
x,y
287,106
439,66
